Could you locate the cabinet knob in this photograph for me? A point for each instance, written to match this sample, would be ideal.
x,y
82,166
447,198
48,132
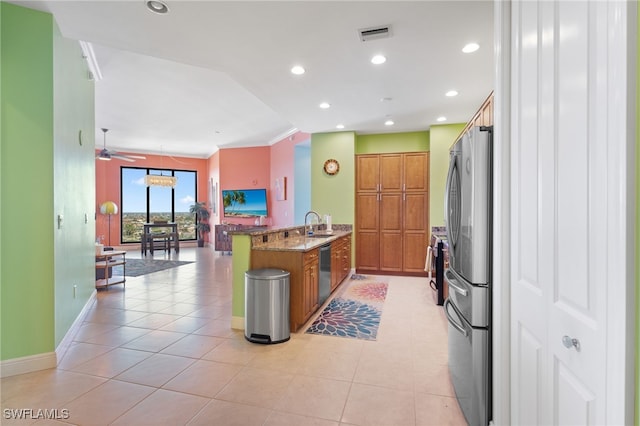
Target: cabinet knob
x,y
569,343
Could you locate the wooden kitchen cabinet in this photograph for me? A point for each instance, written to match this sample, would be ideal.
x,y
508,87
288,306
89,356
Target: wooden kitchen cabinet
x,y
368,177
392,215
303,268
416,172
340,261
482,117
303,280
346,258
336,263
367,231
391,212
391,172
415,237
309,284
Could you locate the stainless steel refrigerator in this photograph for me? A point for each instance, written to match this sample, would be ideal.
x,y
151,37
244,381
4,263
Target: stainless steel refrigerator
x,y
468,213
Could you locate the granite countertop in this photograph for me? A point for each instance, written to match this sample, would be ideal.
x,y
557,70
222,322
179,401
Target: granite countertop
x,y
300,242
258,230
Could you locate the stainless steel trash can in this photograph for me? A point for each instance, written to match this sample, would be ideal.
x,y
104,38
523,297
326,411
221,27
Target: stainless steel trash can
x,y
266,306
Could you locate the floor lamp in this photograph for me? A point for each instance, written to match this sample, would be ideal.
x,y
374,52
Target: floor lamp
x,y
109,208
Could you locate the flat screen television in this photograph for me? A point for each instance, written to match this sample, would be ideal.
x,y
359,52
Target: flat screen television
x,y
244,202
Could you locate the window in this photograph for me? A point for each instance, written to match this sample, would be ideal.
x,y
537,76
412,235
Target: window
x,y
141,204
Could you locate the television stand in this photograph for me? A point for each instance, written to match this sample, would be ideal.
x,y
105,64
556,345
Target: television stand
x,y
223,238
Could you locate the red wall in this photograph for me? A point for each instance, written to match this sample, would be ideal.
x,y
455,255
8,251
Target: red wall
x,y
108,185
245,168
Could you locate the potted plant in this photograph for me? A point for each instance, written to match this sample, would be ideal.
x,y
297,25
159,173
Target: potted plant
x,y
202,220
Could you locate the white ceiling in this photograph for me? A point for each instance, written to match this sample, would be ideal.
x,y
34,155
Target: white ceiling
x,y
215,74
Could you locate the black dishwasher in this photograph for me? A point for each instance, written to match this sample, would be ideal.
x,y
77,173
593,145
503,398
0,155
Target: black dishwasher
x,y
324,279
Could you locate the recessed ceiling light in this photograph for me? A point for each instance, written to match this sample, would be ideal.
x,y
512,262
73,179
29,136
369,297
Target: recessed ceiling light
x,y
297,70
389,123
386,99
471,47
325,105
441,118
340,126
157,6
451,93
378,59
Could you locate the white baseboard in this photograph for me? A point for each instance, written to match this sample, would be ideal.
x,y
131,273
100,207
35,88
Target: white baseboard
x,y
31,363
237,323
75,327
27,364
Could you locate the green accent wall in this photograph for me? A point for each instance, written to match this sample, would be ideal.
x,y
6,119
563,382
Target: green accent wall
x,y
392,142
74,183
45,99
241,262
334,195
637,236
442,137
26,230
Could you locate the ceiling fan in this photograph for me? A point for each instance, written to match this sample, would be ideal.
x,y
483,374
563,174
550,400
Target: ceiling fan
x,y
107,155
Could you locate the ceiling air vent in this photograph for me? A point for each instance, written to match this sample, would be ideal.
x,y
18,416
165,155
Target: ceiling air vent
x,y
374,33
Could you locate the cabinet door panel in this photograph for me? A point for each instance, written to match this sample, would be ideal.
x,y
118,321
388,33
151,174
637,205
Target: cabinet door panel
x,y
336,262
367,206
414,251
391,172
416,172
391,251
310,292
367,172
368,250
390,212
346,259
415,211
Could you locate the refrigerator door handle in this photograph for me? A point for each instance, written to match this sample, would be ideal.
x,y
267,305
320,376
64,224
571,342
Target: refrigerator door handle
x,y
451,278
454,324
452,227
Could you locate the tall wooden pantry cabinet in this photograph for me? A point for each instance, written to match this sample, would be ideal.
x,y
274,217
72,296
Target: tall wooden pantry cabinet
x,y
392,205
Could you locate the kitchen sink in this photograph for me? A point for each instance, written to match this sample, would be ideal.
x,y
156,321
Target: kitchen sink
x,y
319,235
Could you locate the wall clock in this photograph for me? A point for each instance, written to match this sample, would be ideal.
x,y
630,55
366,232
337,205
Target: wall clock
x,y
331,167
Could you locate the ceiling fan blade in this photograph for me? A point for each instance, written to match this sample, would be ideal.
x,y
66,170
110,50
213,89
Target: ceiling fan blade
x,y
122,157
105,154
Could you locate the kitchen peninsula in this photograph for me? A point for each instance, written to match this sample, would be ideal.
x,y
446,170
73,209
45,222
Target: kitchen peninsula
x,y
293,250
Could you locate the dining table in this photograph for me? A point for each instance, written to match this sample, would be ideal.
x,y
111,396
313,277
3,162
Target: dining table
x,y
148,235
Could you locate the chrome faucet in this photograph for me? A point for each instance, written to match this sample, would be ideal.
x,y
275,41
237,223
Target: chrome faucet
x,y
305,220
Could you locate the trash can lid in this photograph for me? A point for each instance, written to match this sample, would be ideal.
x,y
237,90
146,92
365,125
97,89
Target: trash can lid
x,y
267,273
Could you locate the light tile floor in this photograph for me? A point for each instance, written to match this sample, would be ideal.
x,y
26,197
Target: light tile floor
x,y
161,352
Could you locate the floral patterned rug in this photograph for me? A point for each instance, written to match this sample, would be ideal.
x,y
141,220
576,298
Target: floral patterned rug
x,y
355,312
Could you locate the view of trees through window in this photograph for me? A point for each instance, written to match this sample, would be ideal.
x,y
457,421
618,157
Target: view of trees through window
x,y
141,204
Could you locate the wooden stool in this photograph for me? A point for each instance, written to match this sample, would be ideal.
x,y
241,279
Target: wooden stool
x,y
144,239
175,238
158,241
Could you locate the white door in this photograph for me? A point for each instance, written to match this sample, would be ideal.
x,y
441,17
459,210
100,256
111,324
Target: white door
x,y
571,213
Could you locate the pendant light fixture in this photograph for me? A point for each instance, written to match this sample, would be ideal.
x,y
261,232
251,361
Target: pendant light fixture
x,y
160,180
